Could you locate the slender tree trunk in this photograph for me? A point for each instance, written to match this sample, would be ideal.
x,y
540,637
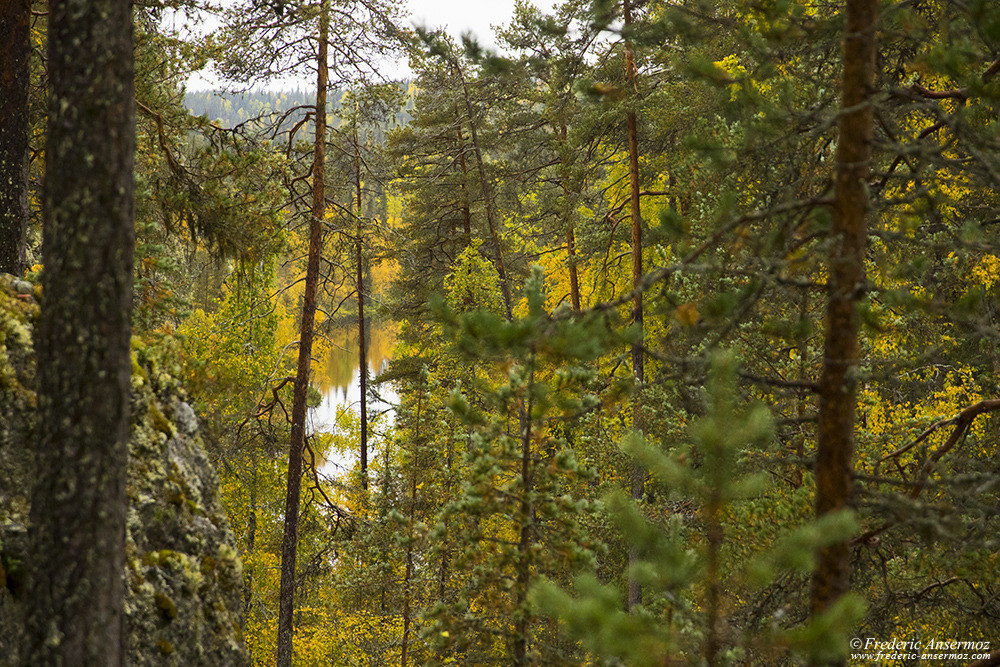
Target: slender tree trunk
x,y
290,539
838,388
445,550
487,195
713,577
251,540
362,363
525,539
803,402
15,50
79,504
638,474
387,580
408,578
574,280
408,575
466,209
362,341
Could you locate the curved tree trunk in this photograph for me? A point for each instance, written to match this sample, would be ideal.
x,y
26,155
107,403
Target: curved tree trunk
x,y
466,209
562,133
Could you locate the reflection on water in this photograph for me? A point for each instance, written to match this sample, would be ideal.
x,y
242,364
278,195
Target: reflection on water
x,y
336,374
337,364
324,415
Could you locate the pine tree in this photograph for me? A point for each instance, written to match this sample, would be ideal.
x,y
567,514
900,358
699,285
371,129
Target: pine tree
x,y
838,392
289,546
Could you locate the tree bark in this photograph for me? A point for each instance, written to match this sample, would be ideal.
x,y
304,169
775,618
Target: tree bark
x,y
15,52
251,542
79,504
487,195
362,346
638,474
466,209
574,280
408,574
838,388
526,537
290,539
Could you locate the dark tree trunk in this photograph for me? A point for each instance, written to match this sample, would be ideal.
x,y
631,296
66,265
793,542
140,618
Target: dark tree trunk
x,y
574,280
15,50
362,342
251,541
449,460
714,536
638,475
487,196
838,388
290,538
525,539
79,504
466,209
408,574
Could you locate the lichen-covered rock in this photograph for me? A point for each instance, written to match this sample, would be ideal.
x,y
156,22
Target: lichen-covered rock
x,y
183,576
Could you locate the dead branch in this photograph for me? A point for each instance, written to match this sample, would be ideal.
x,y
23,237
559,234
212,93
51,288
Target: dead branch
x,y
161,138
962,422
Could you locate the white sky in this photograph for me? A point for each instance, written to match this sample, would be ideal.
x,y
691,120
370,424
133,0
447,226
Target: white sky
x,y
456,16
460,16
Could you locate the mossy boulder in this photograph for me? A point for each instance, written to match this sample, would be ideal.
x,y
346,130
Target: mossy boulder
x,y
183,576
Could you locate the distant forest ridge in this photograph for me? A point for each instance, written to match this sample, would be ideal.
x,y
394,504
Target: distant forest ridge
x,y
230,109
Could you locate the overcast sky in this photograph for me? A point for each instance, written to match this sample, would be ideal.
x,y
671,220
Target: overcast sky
x,y
457,16
460,16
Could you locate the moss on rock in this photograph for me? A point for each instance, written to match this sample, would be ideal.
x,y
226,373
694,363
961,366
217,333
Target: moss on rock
x,y
183,577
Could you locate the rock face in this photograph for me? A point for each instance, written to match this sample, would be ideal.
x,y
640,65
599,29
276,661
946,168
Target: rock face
x,y
183,576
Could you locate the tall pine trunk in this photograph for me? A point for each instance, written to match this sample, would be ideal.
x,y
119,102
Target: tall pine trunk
x,y
466,209
488,203
79,503
838,387
15,49
638,475
290,539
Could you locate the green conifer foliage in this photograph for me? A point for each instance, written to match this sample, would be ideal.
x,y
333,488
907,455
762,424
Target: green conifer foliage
x,y
698,578
516,515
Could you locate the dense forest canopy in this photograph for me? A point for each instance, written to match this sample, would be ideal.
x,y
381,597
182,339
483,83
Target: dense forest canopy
x,y
690,311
